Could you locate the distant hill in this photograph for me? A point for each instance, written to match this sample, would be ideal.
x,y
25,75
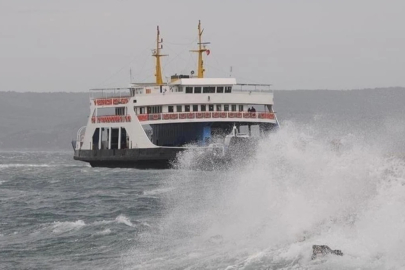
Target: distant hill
x,y
49,121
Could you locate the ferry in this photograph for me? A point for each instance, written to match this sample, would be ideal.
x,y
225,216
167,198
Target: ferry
x,y
148,125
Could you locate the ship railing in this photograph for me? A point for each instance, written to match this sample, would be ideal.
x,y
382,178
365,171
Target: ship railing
x,y
207,115
108,93
111,119
111,101
250,87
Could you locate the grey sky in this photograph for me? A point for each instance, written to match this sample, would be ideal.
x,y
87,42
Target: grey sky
x,y
73,45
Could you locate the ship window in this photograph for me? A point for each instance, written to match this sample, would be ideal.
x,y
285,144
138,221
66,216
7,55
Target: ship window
x,y
211,107
197,90
220,89
234,108
141,110
120,111
195,108
241,108
180,89
179,108
228,89
209,89
186,108
106,111
171,109
156,109
149,109
189,90
218,107
226,108
203,108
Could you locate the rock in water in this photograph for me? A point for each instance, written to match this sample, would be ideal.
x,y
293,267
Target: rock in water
x,y
320,251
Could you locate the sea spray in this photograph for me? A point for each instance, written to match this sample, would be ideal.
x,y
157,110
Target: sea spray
x,y
304,186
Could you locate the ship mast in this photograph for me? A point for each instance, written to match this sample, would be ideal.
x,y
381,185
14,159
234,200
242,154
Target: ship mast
x,y
156,53
201,49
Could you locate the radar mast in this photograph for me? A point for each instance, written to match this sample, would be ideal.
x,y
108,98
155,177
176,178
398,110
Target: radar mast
x,y
156,53
201,48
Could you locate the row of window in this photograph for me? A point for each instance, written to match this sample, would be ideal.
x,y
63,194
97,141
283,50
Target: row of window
x,y
206,107
191,108
208,89
150,109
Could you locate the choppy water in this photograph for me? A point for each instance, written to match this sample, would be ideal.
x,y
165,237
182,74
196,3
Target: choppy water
x,y
303,187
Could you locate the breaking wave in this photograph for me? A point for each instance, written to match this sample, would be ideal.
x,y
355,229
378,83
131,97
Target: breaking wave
x,y
302,187
62,227
155,192
59,227
124,220
24,165
103,232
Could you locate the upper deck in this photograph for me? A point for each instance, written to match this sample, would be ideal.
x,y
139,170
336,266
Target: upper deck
x,y
188,91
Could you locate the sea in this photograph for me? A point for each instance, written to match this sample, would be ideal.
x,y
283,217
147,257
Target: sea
x,y
322,181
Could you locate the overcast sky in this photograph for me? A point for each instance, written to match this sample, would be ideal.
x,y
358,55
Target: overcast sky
x,y
73,45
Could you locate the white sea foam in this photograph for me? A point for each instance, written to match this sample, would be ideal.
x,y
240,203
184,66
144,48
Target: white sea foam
x,y
66,226
103,232
121,219
17,165
102,222
303,187
157,191
124,220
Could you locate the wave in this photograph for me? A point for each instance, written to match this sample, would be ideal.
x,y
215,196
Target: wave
x,y
66,226
303,187
120,219
102,222
103,232
24,165
124,220
59,227
157,191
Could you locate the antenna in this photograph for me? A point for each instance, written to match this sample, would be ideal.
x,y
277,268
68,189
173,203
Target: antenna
x,y
201,48
230,71
130,75
156,53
